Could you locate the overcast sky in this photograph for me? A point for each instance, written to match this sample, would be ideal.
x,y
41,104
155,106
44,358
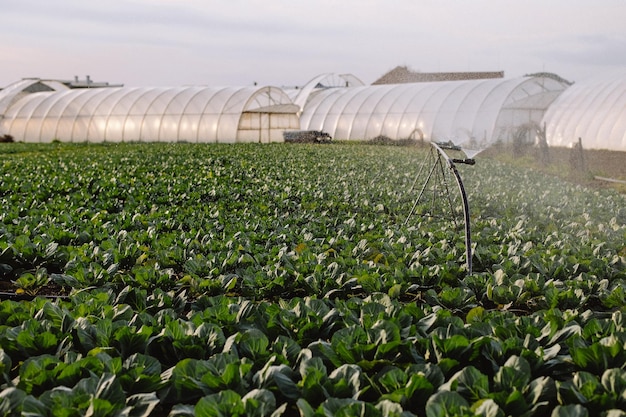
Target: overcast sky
x,y
286,43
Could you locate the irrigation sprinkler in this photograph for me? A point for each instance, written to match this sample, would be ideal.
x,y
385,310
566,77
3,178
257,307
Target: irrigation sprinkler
x,y
437,188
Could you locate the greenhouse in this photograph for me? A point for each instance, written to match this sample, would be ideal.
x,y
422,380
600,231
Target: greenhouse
x,y
40,111
477,112
323,81
593,111
473,113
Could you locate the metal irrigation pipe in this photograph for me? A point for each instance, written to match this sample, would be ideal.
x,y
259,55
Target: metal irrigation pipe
x,y
452,165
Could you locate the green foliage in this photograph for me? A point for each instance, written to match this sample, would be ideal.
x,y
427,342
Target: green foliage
x,y
277,280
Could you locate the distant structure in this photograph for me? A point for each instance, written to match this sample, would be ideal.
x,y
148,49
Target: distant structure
x,y
87,83
45,84
550,75
402,74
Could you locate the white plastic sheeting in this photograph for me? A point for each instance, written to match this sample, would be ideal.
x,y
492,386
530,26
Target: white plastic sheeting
x,y
593,110
322,81
470,113
12,93
191,114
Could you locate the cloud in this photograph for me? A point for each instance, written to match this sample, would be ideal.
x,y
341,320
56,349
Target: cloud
x,y
595,49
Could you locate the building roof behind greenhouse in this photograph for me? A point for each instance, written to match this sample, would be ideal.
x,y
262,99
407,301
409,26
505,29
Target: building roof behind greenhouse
x,y
402,74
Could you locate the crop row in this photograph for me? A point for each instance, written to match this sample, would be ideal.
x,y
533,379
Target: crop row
x,y
295,221
132,352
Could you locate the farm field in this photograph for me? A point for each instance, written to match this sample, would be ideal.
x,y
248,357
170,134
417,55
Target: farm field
x,y
596,163
285,280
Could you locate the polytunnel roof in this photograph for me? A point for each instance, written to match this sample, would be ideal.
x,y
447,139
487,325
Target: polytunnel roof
x,y
19,89
140,113
460,111
593,110
322,81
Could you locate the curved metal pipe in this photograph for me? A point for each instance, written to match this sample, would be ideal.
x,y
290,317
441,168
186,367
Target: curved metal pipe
x,y
466,214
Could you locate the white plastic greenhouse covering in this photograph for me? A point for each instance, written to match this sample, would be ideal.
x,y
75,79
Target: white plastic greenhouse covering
x,y
190,114
19,89
322,81
476,112
593,110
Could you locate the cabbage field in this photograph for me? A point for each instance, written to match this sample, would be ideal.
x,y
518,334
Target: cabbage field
x,y
284,280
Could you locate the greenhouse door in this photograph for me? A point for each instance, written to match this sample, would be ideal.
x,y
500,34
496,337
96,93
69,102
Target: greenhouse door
x,y
255,127
265,124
